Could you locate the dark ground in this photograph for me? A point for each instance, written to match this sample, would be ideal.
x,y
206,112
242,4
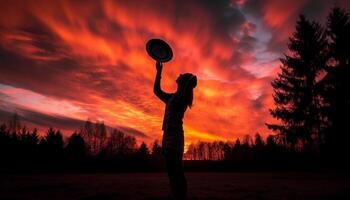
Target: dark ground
x,y
208,186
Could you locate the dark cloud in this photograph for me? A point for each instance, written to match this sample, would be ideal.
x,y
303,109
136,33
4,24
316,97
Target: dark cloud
x,y
247,43
50,78
133,132
279,17
41,119
46,120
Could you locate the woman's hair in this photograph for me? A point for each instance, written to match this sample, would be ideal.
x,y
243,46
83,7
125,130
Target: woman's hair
x,y
186,83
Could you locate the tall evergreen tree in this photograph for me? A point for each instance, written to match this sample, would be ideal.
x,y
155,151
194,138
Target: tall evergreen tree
x,y
156,150
336,84
76,147
143,150
143,153
295,89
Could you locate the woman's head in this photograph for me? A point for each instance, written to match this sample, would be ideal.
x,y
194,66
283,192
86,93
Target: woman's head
x,y
185,85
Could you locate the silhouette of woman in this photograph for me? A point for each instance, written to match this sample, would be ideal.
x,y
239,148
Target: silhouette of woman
x,y
173,134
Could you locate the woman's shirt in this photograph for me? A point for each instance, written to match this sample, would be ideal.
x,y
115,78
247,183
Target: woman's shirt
x,y
174,109
173,114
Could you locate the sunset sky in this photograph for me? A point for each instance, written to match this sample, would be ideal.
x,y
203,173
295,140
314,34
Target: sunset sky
x,y
62,62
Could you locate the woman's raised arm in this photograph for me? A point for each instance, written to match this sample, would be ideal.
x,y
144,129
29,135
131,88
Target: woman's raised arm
x,y
156,88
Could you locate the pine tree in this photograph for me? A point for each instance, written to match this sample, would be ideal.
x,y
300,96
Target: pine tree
x,y
156,150
142,152
76,147
295,89
336,84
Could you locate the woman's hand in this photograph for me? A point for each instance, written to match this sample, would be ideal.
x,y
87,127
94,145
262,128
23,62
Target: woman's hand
x,y
159,67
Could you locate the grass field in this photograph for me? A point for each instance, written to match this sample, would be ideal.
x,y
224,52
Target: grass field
x,y
208,186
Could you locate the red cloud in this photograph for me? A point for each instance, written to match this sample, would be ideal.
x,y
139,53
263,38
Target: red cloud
x,y
92,55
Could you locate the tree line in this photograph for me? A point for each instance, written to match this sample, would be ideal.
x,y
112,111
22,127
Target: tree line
x,y
219,150
254,153
96,148
92,147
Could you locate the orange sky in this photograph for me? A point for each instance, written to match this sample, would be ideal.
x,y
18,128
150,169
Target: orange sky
x,y
65,61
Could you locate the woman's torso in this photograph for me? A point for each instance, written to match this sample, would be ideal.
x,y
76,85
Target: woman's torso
x,y
174,113
173,136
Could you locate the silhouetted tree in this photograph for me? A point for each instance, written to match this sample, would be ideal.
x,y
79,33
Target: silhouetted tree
x,y
158,161
296,93
270,142
76,147
87,132
100,136
14,124
120,144
336,85
216,150
143,150
142,153
237,144
52,144
259,143
232,151
247,141
5,144
191,153
95,136
28,145
156,150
